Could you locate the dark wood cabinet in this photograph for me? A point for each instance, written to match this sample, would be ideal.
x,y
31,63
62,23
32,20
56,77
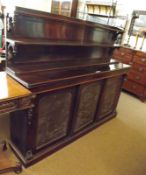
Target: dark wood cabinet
x,y
136,80
66,64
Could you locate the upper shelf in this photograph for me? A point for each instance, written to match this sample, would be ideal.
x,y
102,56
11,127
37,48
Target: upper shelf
x,y
31,41
104,10
41,27
33,67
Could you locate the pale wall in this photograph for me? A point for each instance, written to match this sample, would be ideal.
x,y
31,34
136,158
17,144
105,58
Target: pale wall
x,y
43,5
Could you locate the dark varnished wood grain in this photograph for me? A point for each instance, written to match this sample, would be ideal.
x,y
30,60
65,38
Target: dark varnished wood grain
x,y
32,23
82,74
66,63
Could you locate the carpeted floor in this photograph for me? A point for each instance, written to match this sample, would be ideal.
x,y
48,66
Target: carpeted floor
x,y
118,147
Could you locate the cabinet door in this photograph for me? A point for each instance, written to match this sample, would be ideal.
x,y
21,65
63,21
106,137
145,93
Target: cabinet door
x,y
54,112
109,98
88,96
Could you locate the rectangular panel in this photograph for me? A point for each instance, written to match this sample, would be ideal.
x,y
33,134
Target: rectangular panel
x,y
54,111
87,102
110,96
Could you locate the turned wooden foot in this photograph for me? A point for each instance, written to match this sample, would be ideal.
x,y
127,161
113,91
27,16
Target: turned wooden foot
x,y
6,163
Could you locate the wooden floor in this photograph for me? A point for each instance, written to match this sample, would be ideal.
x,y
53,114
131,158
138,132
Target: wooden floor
x,y
116,148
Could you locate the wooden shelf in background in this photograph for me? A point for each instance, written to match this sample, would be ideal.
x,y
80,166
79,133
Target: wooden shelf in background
x,y
104,10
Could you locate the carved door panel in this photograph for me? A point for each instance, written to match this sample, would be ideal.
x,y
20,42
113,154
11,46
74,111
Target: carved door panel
x,y
54,111
87,101
110,95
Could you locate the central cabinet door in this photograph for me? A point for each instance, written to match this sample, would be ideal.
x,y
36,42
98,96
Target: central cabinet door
x,y
54,113
88,95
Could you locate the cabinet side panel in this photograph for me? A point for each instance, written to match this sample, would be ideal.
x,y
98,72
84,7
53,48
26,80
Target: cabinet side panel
x,y
18,129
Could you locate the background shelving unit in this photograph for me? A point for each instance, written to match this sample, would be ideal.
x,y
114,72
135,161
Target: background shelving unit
x,y
101,9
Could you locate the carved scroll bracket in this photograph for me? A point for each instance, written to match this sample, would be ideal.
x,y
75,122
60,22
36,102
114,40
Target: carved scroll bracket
x,y
30,116
10,23
117,37
11,51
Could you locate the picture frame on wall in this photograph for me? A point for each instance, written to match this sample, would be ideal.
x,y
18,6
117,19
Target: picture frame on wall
x,y
61,7
138,23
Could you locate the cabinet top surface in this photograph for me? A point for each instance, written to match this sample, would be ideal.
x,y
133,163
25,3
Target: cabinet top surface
x,y
11,89
49,77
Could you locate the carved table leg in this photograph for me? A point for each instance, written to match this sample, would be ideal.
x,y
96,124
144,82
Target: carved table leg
x,y
6,164
3,145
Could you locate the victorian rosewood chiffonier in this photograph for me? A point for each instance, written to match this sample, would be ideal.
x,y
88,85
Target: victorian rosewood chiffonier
x,y
66,64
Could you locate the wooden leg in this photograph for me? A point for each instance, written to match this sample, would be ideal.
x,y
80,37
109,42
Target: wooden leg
x,y
4,145
6,163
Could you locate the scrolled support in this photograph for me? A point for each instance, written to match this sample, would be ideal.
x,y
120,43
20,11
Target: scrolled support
x,y
11,51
